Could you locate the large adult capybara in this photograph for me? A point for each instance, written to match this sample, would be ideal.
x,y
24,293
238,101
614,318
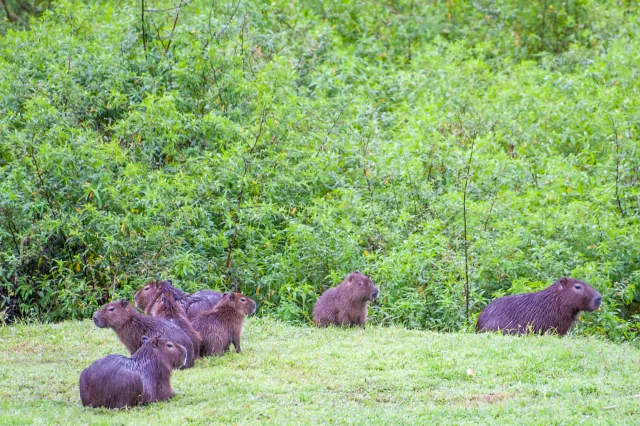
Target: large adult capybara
x,y
116,381
193,304
552,310
168,308
346,304
130,325
222,325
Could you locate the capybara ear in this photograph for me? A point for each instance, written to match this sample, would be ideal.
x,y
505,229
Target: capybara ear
x,y
232,296
563,281
170,282
145,339
124,303
356,272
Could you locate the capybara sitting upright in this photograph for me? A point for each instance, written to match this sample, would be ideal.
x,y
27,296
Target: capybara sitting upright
x,y
116,381
167,308
193,304
553,309
222,325
346,304
130,325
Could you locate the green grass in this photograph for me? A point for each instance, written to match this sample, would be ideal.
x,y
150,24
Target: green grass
x,y
299,375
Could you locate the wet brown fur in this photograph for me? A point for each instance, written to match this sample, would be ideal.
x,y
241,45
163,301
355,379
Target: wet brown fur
x,y
346,304
222,325
130,325
193,304
116,381
167,308
552,310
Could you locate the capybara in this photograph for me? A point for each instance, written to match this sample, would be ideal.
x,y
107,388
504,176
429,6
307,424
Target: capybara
x,y
116,381
552,310
222,325
167,308
193,304
346,304
130,325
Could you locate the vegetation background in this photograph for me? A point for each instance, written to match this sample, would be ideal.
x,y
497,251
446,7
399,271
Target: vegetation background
x,y
454,151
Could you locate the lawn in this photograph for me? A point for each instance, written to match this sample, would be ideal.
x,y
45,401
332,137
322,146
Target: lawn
x,y
299,375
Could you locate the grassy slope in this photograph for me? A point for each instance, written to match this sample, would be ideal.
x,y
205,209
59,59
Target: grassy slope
x,y
302,375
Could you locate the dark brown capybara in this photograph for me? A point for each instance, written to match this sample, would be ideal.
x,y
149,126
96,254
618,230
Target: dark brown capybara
x,y
116,381
222,325
552,310
193,304
130,325
346,304
167,308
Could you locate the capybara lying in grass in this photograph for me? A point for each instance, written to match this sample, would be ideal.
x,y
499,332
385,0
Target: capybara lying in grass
x,y
116,381
346,304
222,325
200,301
552,310
130,325
167,308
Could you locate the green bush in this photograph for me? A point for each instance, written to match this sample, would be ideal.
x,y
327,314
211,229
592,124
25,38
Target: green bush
x,y
276,146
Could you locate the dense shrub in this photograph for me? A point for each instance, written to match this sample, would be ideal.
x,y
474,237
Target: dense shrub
x,y
276,146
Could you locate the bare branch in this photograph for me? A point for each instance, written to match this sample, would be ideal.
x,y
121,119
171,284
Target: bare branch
x,y
617,141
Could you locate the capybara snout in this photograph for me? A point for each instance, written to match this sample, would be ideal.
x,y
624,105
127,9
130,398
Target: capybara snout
x,y
97,320
597,302
374,294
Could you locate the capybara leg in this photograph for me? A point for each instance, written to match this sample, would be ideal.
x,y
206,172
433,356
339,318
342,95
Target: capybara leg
x,y
236,343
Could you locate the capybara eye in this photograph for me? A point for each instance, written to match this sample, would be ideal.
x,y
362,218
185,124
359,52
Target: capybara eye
x,y
169,345
577,287
146,288
243,299
111,309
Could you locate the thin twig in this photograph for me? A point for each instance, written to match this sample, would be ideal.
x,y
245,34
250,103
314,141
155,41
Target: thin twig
x,y
615,135
175,22
247,165
10,16
144,34
466,242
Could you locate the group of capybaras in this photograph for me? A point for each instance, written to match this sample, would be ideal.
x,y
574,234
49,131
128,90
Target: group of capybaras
x,y
176,328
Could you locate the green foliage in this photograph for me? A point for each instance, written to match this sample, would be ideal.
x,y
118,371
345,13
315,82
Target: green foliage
x,y
289,375
279,145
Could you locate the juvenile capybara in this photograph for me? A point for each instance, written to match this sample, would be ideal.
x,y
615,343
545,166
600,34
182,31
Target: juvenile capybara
x,y
346,304
552,310
130,325
200,301
116,381
167,308
222,325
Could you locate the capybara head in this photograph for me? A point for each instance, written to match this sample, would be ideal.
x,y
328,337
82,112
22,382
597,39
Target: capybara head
x,y
172,354
361,287
149,292
240,303
166,306
578,295
113,314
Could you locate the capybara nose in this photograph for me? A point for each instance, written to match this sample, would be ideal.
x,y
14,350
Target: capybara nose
x,y
374,294
598,301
